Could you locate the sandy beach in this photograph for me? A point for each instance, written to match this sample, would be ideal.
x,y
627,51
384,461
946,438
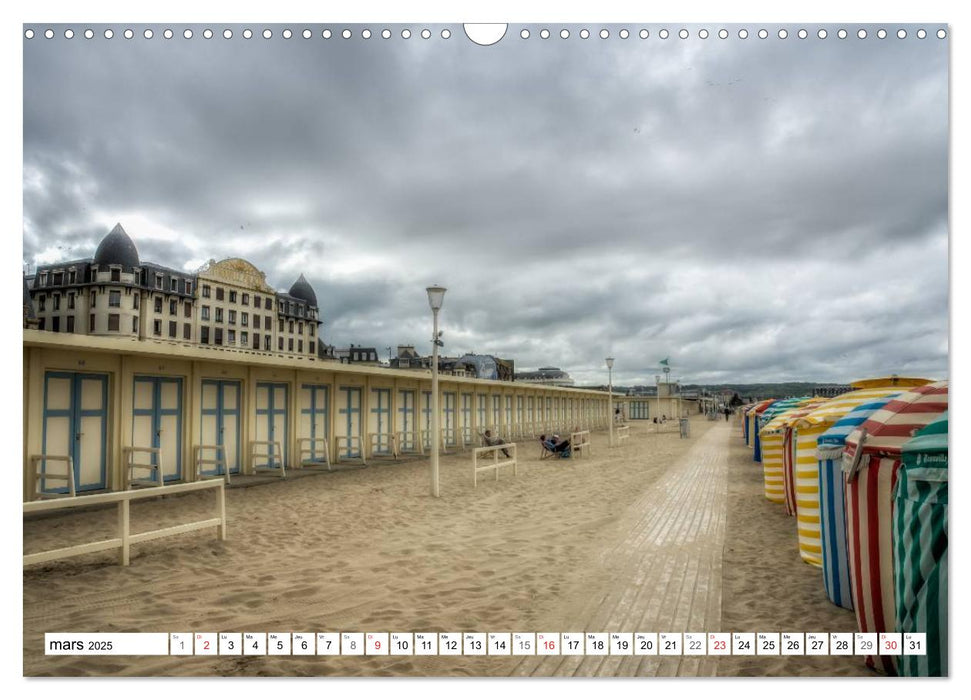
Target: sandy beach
x,y
656,534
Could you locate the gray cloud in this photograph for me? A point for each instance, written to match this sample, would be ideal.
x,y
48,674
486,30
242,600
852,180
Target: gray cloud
x,y
756,210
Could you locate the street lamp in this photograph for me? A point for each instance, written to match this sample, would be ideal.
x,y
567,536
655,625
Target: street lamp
x,y
610,397
436,295
657,392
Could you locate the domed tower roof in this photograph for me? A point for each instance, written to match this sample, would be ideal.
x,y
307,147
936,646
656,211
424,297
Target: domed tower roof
x,y
117,249
301,289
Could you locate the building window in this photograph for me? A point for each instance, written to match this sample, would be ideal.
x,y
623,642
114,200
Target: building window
x,y
218,339
206,291
116,274
43,279
256,341
230,337
280,322
72,277
70,300
269,304
244,319
299,346
158,305
205,313
219,314
158,281
174,282
187,331
269,322
91,325
137,297
289,345
243,338
70,324
300,328
188,286
173,329
290,327
266,342
355,356
245,299
57,302
204,335
56,324
58,279
114,322
41,323
281,342
256,300
134,324
187,309
232,296
94,299
42,302
256,321
232,315
173,307
114,298
299,309
157,327
220,295
310,349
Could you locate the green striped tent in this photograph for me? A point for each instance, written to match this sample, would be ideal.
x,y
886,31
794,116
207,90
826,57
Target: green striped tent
x,y
920,547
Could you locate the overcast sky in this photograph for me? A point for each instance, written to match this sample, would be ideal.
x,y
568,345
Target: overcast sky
x,y
756,210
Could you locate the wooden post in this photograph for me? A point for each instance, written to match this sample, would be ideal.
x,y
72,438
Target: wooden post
x,y
123,532
221,507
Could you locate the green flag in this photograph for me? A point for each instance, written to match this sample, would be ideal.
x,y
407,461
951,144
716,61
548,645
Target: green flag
x,y
664,362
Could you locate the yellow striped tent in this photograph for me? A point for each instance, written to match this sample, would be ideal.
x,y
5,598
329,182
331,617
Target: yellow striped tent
x,y
771,436
806,430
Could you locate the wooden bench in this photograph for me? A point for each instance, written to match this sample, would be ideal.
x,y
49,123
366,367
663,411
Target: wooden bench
x,y
579,442
308,450
408,442
40,476
154,470
125,539
348,442
376,449
495,464
269,455
219,460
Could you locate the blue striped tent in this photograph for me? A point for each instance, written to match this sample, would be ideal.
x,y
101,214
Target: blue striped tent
x,y
767,414
832,515
920,547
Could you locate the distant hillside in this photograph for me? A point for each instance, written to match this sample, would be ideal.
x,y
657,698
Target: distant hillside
x,y
775,390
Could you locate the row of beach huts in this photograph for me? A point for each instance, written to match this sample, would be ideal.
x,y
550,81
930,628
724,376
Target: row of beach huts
x,y
864,474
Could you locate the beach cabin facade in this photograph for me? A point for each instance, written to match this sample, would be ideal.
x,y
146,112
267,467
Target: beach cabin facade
x,y
100,404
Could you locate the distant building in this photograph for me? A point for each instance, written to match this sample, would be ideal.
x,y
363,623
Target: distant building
x,y
227,304
30,318
552,376
355,355
831,390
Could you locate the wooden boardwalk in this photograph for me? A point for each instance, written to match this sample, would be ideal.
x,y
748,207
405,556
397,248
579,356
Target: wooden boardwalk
x,y
666,570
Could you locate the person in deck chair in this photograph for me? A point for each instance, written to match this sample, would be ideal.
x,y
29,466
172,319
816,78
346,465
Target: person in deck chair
x,y
556,446
492,441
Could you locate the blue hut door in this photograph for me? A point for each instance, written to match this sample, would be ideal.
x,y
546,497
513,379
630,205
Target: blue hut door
x,y
273,421
351,411
220,420
76,425
157,422
406,418
448,418
313,417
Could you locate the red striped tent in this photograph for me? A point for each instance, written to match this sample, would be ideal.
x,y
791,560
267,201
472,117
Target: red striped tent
x,y
801,462
870,464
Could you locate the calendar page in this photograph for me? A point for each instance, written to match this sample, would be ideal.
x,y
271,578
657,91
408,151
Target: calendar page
x,y
396,348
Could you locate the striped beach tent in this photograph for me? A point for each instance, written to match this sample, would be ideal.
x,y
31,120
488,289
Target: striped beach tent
x,y
802,463
920,548
831,538
870,463
771,436
754,414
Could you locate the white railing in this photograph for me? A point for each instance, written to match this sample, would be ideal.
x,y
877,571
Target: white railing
x,y
308,450
155,472
621,432
408,442
382,445
125,538
348,442
38,476
495,464
219,460
580,442
269,455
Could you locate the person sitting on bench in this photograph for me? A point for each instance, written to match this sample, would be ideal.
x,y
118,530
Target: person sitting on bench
x,y
556,446
491,441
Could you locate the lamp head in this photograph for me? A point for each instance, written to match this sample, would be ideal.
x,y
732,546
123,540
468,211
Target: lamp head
x,y
610,363
436,295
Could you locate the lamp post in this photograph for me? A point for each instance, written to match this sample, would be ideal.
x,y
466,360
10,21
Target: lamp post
x,y
657,392
610,397
436,295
